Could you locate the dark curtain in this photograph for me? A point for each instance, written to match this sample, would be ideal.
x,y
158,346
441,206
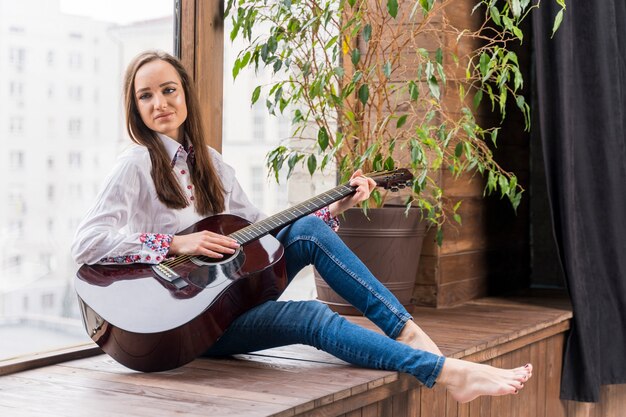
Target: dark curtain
x,y
580,99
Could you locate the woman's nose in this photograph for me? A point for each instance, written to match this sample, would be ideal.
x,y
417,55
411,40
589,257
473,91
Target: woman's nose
x,y
159,102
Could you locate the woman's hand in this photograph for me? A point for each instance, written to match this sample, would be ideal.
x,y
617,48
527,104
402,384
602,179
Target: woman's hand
x,y
365,186
203,243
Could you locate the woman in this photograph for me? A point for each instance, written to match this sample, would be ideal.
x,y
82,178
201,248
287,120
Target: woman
x,y
172,180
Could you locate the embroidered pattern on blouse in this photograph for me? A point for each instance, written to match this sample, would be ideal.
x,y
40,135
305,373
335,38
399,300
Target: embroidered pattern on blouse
x,y
324,214
191,155
155,247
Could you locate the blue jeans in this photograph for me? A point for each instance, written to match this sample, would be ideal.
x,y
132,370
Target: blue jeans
x,y
275,323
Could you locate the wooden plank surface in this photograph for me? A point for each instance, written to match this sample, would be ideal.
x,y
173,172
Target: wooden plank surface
x,y
298,380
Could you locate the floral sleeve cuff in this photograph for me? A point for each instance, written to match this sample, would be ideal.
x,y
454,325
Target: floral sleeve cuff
x,y
154,248
324,214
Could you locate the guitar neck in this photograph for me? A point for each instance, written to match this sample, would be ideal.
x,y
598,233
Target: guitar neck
x,y
290,215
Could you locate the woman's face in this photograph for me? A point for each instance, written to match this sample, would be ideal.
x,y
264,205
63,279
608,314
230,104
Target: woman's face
x,y
160,98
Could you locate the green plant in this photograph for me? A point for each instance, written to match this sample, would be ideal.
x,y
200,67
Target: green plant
x,y
378,84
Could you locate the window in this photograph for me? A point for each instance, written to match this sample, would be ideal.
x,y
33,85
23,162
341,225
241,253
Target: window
x,y
16,125
16,229
50,192
257,176
75,60
259,114
16,160
16,89
74,66
74,159
47,301
249,133
75,92
17,58
74,127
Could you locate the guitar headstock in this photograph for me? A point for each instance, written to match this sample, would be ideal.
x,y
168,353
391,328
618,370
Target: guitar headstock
x,y
393,180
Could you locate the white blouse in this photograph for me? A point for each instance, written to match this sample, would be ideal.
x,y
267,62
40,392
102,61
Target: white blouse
x,y
128,223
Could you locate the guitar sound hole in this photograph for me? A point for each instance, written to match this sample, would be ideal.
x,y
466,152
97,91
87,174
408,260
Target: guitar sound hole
x,y
211,272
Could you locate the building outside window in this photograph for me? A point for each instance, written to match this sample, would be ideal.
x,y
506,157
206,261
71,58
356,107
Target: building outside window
x,y
75,66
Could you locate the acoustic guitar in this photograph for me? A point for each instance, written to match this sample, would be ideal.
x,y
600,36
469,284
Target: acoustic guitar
x,y
159,317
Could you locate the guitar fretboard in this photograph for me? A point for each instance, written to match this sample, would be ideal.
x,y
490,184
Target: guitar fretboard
x,y
285,217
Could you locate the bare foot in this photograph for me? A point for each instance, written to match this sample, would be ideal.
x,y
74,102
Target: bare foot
x,y
467,380
413,335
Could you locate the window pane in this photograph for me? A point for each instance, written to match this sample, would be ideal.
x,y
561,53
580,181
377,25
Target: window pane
x,y
249,133
61,66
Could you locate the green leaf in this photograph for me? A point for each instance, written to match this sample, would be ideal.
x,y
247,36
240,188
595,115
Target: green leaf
x,y
517,8
503,182
433,85
322,138
439,56
377,162
426,5
367,32
311,164
439,236
520,101
387,69
364,93
390,164
401,121
494,135
495,15
413,91
557,22
356,56
277,65
292,161
236,68
457,218
378,198
484,65
478,97
255,94
392,8
458,149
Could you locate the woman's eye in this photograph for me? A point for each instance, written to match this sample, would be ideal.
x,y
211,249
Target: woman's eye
x,y
169,90
144,96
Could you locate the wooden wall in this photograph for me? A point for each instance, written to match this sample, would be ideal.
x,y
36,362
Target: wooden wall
x,y
489,253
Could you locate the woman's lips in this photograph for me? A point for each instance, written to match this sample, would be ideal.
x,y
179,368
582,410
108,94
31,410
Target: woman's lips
x,y
163,115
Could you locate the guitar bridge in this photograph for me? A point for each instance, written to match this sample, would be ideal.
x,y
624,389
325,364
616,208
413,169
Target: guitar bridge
x,y
168,274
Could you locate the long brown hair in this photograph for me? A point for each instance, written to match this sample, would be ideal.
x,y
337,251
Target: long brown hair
x,y
208,188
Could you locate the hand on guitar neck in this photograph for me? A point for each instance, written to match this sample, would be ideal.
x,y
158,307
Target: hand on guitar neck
x,y
364,187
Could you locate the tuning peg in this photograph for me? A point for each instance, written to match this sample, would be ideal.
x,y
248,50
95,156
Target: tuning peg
x,y
401,186
394,189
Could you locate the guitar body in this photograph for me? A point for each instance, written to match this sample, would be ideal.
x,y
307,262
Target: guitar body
x,y
148,323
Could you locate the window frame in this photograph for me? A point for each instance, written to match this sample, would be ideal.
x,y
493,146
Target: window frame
x,y
199,43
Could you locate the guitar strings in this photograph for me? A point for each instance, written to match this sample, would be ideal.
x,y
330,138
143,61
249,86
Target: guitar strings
x,y
254,229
